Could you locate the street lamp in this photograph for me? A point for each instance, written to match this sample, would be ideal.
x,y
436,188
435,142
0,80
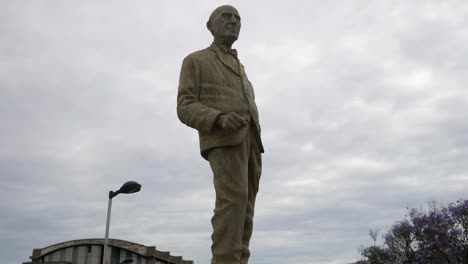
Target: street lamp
x,y
128,187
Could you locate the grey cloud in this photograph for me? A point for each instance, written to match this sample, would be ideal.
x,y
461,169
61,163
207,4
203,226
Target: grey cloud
x,y
361,107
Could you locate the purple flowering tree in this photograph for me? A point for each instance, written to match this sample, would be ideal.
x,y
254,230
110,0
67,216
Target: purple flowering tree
x,y
459,213
377,255
401,242
436,236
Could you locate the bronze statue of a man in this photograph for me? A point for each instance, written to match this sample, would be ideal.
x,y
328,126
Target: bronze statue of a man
x,y
216,98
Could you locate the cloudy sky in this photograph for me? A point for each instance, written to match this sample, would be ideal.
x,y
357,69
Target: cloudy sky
x,y
363,105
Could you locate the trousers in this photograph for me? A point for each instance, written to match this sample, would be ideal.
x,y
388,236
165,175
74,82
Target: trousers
x,y
236,176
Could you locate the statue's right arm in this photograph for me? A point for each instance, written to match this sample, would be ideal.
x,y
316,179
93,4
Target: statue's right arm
x,y
189,110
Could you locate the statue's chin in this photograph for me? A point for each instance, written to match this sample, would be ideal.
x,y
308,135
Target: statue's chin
x,y
231,38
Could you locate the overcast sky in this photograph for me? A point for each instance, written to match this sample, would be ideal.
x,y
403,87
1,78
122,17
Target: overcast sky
x,y
363,107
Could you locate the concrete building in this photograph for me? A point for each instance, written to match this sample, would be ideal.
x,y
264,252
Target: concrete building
x,y
90,251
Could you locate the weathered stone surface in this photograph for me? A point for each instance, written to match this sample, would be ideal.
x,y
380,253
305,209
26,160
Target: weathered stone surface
x,y
216,98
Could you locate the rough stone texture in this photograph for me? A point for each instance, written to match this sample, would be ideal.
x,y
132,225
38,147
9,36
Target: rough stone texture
x,y
216,98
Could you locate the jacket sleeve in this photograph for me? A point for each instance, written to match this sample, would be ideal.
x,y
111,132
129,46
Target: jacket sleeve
x,y
189,110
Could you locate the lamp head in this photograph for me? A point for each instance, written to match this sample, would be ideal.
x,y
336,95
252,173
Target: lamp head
x,y
128,187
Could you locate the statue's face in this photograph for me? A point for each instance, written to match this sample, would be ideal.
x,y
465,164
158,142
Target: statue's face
x,y
225,25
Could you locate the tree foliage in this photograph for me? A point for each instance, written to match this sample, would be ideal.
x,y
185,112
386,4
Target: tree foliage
x,y
437,235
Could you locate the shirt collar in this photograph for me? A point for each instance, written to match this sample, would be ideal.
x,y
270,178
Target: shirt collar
x,y
224,49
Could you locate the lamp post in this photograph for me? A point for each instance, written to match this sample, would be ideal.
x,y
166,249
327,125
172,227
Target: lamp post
x,y
128,187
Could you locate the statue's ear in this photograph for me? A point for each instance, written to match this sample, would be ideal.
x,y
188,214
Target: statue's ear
x,y
208,25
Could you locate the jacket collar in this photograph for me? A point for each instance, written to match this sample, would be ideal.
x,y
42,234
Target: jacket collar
x,y
222,53
224,49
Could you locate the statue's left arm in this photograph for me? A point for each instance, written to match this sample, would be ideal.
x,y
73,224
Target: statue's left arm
x,y
189,109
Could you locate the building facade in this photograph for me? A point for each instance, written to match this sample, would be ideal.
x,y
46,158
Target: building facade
x,y
90,251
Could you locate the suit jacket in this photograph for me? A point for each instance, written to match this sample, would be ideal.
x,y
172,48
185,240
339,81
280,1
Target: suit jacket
x,y
211,84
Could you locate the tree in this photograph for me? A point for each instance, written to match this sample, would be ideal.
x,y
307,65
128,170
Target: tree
x,y
401,242
459,213
377,255
374,233
435,236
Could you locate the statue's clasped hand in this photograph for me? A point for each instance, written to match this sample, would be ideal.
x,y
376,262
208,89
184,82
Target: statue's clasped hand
x,y
231,121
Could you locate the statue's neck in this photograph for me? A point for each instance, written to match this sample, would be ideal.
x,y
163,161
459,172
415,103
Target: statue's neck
x,y
222,43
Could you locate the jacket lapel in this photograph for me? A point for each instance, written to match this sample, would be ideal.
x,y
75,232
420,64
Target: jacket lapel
x,y
223,58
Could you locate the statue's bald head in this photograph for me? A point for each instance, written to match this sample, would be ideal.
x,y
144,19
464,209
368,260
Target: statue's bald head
x,y
221,9
224,24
